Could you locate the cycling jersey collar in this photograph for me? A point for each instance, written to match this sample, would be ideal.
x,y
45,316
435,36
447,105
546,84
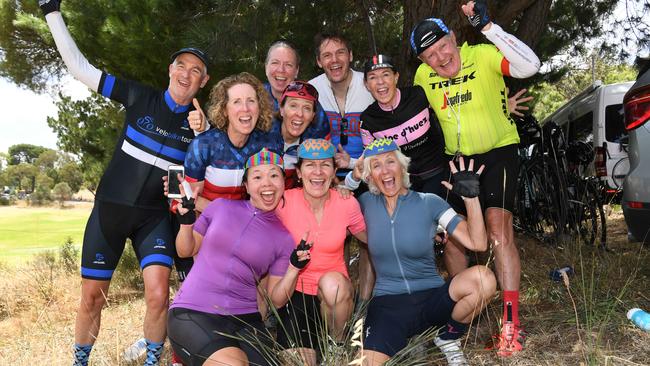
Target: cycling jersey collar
x,y
173,106
393,106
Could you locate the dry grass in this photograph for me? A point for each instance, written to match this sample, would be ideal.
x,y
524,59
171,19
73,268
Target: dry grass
x,y
39,300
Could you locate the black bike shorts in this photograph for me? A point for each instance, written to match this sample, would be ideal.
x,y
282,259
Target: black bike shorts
x,y
393,319
195,335
108,228
498,180
300,322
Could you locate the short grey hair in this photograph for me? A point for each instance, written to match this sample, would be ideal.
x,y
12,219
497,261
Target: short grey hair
x,y
404,162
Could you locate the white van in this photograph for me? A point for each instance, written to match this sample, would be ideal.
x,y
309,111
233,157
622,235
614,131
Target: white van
x,y
596,116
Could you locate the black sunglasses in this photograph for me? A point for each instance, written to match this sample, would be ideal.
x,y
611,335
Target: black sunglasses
x,y
344,131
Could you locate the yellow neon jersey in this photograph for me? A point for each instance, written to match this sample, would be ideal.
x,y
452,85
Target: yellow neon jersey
x,y
476,98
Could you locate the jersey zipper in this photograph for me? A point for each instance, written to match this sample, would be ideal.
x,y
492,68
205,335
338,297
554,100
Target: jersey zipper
x,y
392,235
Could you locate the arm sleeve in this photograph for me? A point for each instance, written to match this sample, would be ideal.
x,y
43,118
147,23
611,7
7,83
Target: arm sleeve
x,y
76,63
443,213
521,61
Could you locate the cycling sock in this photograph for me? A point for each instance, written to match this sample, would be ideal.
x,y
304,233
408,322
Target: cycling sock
x,y
453,330
81,354
511,306
154,351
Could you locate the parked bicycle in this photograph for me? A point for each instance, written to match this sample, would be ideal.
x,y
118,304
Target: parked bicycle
x,y
555,201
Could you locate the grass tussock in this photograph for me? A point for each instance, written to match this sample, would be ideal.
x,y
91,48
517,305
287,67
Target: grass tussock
x,y
573,322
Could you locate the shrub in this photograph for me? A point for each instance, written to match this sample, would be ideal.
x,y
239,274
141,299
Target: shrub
x,y
69,256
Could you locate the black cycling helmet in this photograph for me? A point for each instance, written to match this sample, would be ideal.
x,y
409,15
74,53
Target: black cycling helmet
x,y
379,61
426,33
195,51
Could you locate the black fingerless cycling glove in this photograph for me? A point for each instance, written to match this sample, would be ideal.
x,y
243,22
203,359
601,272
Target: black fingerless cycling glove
x,y
190,216
480,18
466,184
294,255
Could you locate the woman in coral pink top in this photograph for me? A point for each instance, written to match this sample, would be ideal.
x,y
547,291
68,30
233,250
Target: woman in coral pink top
x,y
324,285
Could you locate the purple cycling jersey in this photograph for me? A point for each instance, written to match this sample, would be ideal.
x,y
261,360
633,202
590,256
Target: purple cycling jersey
x,y
241,244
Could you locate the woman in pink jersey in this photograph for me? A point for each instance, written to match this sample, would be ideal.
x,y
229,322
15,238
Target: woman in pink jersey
x,y
219,295
323,287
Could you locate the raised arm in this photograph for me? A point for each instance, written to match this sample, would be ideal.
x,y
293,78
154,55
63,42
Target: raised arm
x,y
281,288
522,60
188,241
76,63
469,233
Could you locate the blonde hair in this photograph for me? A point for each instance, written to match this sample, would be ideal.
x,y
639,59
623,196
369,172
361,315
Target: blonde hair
x,y
403,162
219,99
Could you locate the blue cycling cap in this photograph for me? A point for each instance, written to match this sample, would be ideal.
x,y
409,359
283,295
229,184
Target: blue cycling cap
x,y
380,146
316,149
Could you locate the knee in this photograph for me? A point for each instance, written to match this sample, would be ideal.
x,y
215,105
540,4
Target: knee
x,y
93,300
157,297
500,237
484,280
334,288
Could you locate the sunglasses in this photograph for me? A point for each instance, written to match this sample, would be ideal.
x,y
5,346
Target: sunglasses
x,y
344,131
298,86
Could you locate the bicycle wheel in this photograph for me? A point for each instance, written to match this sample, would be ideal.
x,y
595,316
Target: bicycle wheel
x,y
542,212
586,219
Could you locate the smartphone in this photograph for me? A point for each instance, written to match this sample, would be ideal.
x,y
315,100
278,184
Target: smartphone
x,y
172,179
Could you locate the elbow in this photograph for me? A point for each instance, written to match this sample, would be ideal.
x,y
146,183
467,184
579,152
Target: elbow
x,y
526,70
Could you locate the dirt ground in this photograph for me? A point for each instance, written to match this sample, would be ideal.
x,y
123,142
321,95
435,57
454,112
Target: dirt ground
x,y
582,323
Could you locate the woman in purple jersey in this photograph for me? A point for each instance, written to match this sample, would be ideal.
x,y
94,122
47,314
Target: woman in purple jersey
x,y
235,243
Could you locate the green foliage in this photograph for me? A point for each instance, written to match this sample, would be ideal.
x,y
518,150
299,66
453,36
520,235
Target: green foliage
x,y
24,153
22,176
69,256
87,128
46,163
41,195
42,180
551,96
71,174
62,192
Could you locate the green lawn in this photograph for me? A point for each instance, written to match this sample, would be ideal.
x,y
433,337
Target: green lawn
x,y
26,230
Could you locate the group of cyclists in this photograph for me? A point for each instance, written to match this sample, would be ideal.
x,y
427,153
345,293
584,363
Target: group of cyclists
x,y
268,208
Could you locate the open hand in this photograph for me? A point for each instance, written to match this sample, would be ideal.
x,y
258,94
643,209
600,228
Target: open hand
x,y
466,181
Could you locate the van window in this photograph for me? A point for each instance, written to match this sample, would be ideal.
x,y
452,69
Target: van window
x,y
581,128
614,124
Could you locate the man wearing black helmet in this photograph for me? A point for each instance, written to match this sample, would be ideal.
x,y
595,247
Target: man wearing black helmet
x,y
129,201
466,90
